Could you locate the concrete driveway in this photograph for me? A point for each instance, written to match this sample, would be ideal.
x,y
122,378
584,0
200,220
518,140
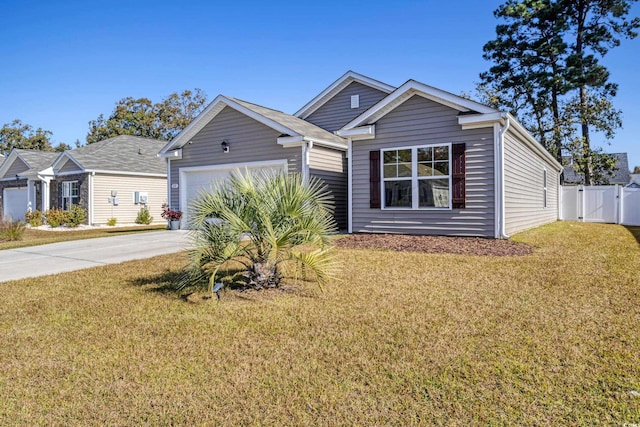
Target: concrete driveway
x,y
55,258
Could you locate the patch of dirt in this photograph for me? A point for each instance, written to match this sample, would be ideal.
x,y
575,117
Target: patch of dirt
x,y
435,244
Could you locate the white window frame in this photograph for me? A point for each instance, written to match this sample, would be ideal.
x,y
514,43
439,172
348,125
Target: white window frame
x,y
414,178
67,193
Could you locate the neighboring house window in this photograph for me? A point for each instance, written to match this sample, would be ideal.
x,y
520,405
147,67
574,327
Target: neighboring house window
x,y
417,177
70,194
544,188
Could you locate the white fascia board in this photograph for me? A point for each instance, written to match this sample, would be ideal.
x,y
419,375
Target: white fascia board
x,y
411,88
298,140
533,143
152,175
335,87
359,133
68,156
9,161
209,114
173,154
475,121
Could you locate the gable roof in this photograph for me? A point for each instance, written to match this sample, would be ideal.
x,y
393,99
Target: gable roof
x,y
293,129
620,176
35,160
411,88
124,153
337,86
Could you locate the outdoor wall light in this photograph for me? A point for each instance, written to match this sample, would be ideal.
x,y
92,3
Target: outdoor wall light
x,y
225,146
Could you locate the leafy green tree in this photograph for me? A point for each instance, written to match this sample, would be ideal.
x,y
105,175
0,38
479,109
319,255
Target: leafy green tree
x,y
141,117
636,169
21,135
546,70
266,223
62,147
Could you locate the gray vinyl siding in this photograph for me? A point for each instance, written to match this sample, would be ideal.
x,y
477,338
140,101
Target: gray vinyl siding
x,y
419,121
18,166
249,141
523,186
337,112
331,167
69,166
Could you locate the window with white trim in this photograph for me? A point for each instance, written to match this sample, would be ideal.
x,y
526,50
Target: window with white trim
x,y
417,177
70,194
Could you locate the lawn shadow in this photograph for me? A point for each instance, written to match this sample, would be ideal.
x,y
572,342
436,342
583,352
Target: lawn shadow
x,y
635,232
166,283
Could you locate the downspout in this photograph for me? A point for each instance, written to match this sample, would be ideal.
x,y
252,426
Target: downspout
x,y
349,185
502,210
91,201
306,154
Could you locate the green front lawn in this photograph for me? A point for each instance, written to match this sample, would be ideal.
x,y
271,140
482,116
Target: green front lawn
x,y
34,237
401,339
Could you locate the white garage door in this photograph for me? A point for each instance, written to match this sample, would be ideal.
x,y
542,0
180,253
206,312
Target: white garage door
x,y
194,181
15,202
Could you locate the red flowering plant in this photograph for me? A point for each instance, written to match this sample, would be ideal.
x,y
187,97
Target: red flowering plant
x,y
169,214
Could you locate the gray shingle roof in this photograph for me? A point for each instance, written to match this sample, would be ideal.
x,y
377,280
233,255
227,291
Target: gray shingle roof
x,y
301,127
122,153
620,176
36,160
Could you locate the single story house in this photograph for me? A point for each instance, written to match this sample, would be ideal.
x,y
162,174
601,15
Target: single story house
x,y
111,178
22,187
412,159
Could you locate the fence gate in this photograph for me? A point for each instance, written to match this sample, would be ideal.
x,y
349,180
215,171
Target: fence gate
x,y
601,203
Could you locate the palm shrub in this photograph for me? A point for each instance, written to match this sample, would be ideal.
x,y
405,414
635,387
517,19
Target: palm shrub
x,y
269,223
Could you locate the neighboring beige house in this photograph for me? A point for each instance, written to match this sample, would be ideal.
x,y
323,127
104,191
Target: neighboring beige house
x,y
111,178
413,159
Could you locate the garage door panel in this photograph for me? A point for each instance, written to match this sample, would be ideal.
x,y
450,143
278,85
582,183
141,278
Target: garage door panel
x,y
198,181
15,202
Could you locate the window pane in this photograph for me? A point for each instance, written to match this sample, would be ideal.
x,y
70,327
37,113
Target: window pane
x,y
397,193
441,168
441,153
433,193
390,157
404,170
390,171
404,156
425,169
425,154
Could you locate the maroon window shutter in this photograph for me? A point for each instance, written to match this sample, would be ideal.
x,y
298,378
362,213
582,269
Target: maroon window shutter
x,y
458,176
374,179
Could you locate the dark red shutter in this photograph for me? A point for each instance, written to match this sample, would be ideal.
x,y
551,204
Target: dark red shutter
x,y
374,179
458,176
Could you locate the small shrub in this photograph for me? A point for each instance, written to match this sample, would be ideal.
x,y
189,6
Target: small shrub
x,y
56,217
75,216
11,230
144,217
111,222
34,218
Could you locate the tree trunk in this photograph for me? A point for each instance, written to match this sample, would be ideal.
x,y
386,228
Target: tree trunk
x,y
261,275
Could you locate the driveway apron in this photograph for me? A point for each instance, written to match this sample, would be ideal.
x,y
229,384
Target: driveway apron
x,y
61,257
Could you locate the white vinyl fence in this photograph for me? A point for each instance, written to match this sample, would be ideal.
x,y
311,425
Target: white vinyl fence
x,y
602,203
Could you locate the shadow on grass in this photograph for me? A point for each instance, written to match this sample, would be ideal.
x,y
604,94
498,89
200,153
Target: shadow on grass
x,y
635,232
166,283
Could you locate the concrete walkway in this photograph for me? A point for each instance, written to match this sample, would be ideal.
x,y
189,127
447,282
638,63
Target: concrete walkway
x,y
55,258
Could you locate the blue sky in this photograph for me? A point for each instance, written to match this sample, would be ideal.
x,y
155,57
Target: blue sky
x,y
65,63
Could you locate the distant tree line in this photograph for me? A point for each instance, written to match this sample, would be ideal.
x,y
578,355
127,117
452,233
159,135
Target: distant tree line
x,y
137,117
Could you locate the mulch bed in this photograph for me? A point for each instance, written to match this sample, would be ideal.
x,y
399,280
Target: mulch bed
x,y
435,244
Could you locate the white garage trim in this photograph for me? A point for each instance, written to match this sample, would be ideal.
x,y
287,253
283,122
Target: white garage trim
x,y
219,169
